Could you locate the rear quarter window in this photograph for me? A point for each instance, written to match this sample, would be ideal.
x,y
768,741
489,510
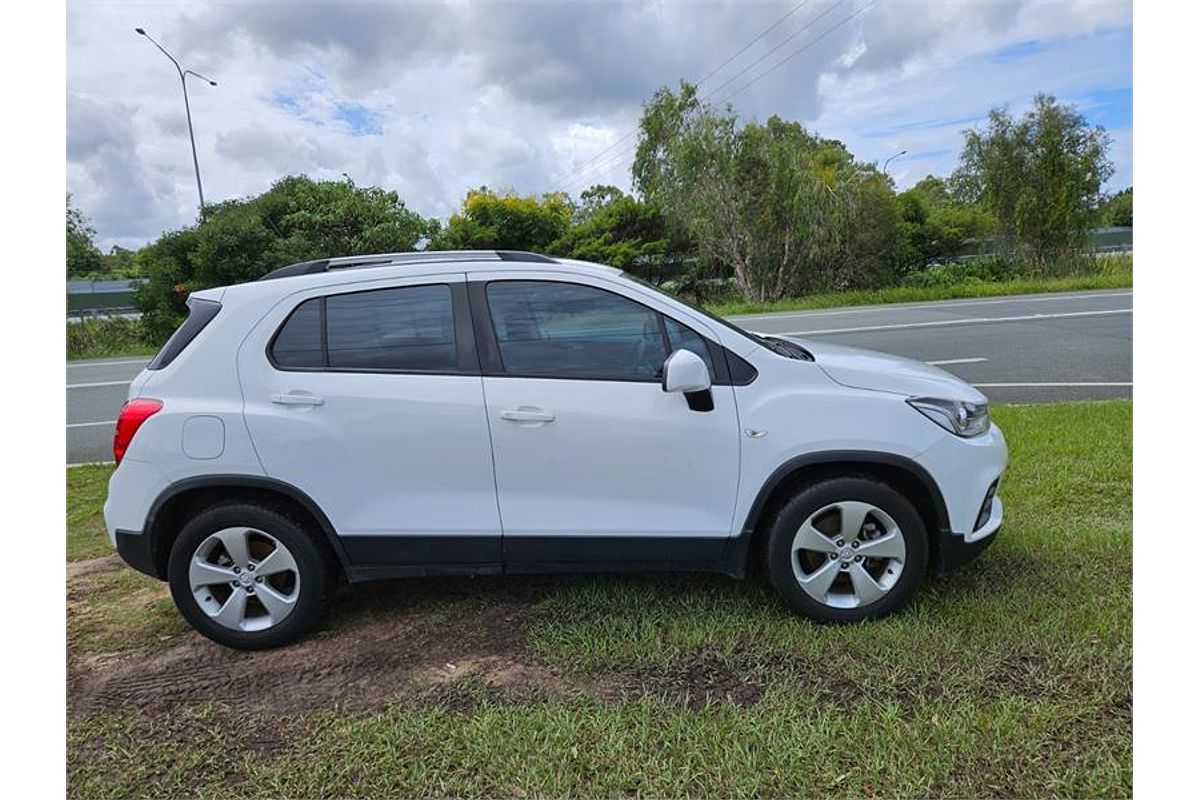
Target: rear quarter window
x,y
200,313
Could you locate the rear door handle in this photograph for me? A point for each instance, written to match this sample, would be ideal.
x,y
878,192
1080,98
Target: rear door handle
x,y
527,414
296,399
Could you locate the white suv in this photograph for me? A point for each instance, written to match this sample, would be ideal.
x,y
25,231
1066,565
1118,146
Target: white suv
x,y
501,412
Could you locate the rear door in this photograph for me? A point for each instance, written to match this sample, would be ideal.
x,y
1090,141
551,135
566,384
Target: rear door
x,y
370,402
594,462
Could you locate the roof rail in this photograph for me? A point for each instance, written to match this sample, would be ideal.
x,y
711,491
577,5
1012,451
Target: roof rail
x,y
393,259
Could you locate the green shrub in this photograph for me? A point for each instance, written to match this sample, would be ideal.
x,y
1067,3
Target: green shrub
x,y
1114,264
998,269
988,269
99,337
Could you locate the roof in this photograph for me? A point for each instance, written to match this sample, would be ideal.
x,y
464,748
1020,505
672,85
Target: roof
x,y
386,266
396,259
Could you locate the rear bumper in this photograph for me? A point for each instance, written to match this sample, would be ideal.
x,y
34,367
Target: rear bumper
x,y
134,548
132,490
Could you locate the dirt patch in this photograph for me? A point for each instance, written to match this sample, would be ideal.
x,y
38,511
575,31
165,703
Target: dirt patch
x,y
361,665
407,641
90,566
703,680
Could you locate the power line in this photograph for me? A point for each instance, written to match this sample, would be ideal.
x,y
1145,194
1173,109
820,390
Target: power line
x,y
617,158
765,55
746,47
585,165
797,52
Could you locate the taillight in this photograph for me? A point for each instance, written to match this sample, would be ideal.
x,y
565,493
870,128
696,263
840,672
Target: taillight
x,y
133,414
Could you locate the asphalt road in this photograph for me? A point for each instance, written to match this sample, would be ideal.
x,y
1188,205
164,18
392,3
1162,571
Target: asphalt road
x,y
1026,349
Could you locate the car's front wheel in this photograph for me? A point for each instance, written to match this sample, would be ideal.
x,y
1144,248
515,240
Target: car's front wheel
x,y
846,550
248,576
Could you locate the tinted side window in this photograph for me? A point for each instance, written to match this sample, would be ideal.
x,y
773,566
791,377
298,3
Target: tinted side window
x,y
565,330
409,328
298,343
682,337
200,313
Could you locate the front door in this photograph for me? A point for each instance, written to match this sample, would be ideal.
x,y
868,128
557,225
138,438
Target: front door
x,y
594,462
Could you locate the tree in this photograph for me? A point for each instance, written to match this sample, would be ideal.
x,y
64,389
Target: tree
x,y
619,230
1118,209
1039,175
121,262
935,226
297,219
83,257
505,221
786,210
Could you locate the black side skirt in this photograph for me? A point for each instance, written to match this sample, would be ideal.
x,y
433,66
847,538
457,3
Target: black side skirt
x,y
382,557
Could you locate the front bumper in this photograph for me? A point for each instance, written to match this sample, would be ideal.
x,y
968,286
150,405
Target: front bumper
x,y
957,549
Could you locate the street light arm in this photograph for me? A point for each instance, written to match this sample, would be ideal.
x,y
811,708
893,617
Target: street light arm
x,y
209,81
187,107
888,160
163,50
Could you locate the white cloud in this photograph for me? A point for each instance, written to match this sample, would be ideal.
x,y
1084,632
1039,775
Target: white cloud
x,y
432,98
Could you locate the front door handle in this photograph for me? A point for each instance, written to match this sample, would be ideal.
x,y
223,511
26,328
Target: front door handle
x,y
527,414
296,399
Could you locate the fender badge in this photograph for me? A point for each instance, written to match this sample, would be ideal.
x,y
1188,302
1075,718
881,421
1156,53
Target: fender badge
x,y
754,433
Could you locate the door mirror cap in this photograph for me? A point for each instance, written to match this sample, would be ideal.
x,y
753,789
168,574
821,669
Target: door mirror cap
x,y
686,372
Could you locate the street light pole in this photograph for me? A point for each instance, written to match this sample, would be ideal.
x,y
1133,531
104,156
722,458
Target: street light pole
x,y
889,160
183,73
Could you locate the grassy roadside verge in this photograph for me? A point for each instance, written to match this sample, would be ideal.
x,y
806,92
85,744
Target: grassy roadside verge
x,y
913,294
108,337
115,351
1012,677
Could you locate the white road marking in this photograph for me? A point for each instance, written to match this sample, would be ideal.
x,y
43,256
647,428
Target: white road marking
x,y
91,424
947,304
955,361
970,321
103,383
90,464
1028,385
107,363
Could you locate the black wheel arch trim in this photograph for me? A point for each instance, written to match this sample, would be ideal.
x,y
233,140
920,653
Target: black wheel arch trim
x,y
237,481
831,457
740,550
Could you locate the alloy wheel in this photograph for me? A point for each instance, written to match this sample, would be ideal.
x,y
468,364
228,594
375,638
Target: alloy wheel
x,y
848,554
244,579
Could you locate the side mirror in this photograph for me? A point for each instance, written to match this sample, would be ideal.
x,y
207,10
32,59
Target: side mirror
x,y
686,372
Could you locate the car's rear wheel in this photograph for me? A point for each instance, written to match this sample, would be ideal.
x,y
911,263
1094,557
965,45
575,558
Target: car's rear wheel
x,y
249,577
846,550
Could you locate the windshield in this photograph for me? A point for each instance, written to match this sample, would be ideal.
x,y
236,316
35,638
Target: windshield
x,y
703,312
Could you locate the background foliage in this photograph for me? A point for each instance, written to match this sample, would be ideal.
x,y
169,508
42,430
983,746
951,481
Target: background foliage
x,y
297,219
724,210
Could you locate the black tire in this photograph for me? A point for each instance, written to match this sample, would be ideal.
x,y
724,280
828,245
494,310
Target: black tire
x,y
314,566
810,499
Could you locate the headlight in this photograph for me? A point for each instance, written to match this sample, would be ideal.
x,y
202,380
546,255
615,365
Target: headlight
x,y
958,417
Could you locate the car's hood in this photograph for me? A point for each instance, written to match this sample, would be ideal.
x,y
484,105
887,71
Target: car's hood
x,y
868,369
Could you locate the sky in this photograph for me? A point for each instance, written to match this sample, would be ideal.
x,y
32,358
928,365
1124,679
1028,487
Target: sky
x,y
432,98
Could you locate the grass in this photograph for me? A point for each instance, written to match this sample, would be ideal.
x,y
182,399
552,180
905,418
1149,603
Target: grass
x,y
109,337
915,294
1012,677
87,487
115,351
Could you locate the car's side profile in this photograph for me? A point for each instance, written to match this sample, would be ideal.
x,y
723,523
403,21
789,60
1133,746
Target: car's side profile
x,y
499,412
